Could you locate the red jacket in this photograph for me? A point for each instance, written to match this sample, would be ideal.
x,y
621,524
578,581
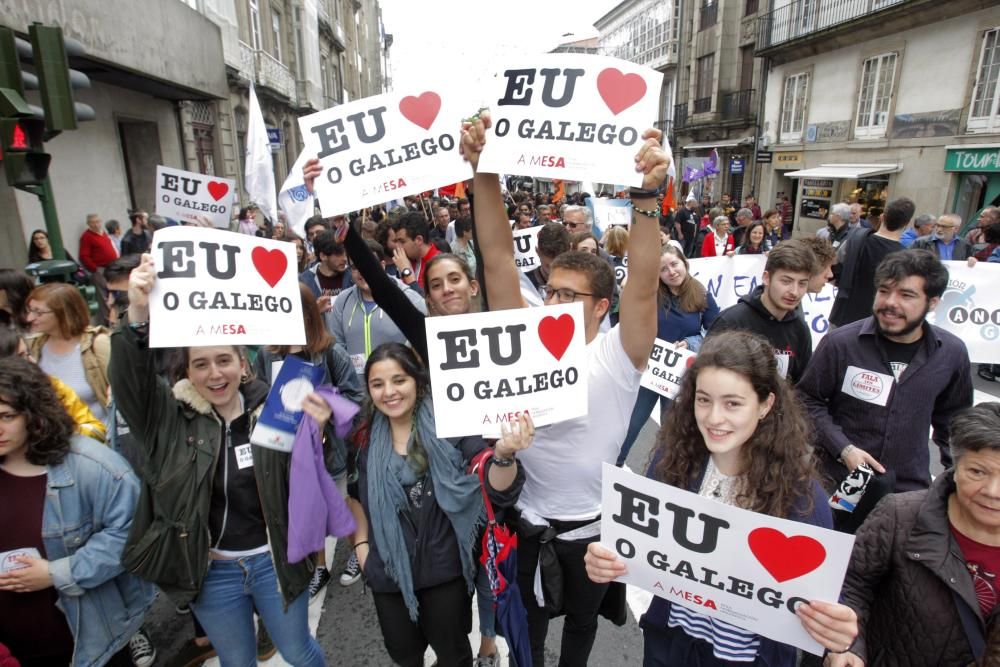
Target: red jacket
x,y
96,250
708,245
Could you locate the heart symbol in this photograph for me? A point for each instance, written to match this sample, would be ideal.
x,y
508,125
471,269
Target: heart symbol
x,y
217,189
556,334
421,111
620,91
785,557
270,264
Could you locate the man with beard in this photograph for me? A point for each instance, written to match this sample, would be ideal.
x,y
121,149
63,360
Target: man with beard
x,y
875,387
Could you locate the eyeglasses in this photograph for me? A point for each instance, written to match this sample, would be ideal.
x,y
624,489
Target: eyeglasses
x,y
940,226
8,417
38,313
563,294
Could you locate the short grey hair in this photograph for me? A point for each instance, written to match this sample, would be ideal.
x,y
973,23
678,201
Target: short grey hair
x,y
954,218
923,220
721,218
975,429
744,213
587,217
842,211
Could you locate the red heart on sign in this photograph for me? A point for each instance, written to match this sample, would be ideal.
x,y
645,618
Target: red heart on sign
x,y
217,189
785,557
556,334
620,91
270,264
421,111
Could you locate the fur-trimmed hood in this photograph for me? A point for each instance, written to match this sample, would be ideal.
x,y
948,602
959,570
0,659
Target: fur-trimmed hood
x,y
254,392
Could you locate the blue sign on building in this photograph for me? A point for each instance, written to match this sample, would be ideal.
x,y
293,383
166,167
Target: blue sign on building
x,y
736,165
274,136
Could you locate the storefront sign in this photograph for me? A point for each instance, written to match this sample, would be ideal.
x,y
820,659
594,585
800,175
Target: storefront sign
x,y
764,157
740,567
816,209
736,166
817,182
488,368
973,159
570,116
788,160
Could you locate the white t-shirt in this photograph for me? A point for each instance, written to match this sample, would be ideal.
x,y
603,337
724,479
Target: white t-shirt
x,y
563,464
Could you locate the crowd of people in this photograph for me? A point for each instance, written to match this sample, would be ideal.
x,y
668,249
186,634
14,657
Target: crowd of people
x,y
178,500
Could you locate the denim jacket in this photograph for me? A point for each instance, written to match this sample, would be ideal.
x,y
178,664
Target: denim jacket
x,y
89,502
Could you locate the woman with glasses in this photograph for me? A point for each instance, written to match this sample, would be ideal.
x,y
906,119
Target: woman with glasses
x,y
719,241
67,347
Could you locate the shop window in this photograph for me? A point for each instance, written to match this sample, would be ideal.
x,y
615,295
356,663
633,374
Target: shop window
x,y
793,108
983,115
877,76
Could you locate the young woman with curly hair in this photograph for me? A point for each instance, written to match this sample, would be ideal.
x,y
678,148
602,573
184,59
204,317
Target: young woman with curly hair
x,y
738,435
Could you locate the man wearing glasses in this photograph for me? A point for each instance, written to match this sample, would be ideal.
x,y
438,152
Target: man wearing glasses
x,y
944,242
562,494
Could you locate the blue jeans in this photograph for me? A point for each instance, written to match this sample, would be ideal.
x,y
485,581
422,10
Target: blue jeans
x,y
485,600
644,404
225,605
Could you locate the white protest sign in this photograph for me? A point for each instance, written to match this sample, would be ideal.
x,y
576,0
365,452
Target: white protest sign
x,y
746,569
215,287
729,278
666,368
570,116
970,309
487,368
608,212
187,196
386,147
526,248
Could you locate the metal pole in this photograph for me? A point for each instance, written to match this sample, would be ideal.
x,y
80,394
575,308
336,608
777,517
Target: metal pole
x,y
48,201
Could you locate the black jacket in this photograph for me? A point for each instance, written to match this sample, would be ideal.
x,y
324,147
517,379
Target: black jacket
x,y
790,337
430,539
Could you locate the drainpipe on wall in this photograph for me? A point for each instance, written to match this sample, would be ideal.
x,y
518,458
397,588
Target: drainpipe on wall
x,y
179,111
758,126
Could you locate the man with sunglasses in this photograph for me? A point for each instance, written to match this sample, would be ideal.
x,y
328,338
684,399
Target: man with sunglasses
x,y
562,495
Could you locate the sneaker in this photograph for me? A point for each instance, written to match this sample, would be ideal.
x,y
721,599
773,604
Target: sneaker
x,y
488,660
352,572
141,649
320,578
192,655
265,647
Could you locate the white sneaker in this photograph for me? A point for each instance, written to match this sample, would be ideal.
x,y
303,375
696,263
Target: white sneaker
x,y
352,572
141,649
488,660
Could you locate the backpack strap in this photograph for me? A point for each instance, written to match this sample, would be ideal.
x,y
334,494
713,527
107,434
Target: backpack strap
x,y
973,631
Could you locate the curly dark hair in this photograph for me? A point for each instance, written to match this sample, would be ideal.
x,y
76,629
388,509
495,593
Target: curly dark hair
x,y
778,465
28,390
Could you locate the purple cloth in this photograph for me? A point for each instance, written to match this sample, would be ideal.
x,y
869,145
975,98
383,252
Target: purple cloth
x,y
315,507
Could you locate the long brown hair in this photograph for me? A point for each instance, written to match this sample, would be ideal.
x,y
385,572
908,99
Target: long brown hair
x,y
691,295
317,337
778,465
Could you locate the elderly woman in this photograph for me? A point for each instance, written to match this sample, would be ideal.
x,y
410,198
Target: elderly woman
x,y
922,577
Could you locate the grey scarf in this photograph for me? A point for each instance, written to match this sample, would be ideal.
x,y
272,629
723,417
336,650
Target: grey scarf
x,y
456,493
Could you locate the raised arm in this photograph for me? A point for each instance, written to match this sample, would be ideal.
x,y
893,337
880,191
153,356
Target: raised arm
x,y
494,238
638,300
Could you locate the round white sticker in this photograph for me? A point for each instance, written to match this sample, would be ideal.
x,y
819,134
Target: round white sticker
x,y
294,393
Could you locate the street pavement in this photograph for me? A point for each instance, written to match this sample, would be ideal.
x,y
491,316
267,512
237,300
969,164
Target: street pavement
x,y
346,626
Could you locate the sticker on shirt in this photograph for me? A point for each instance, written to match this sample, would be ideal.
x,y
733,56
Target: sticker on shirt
x,y
867,386
244,457
898,367
359,363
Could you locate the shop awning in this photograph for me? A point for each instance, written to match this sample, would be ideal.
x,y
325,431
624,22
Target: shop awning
x,y
720,143
852,171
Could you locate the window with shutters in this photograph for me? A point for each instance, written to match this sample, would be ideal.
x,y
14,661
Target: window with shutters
x,y
983,114
875,97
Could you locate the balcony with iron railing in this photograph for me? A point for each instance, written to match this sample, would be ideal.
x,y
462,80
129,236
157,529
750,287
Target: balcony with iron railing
x,y
680,115
664,126
737,105
818,22
267,72
703,105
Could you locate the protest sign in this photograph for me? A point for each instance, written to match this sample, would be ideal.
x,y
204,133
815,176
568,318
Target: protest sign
x,y
487,368
279,419
525,248
570,116
386,147
219,288
187,196
970,309
607,212
729,278
666,368
746,569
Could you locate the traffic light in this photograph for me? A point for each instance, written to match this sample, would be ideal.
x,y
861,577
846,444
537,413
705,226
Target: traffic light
x,y
25,161
56,81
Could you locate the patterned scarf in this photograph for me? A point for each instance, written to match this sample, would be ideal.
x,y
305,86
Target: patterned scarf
x,y
456,493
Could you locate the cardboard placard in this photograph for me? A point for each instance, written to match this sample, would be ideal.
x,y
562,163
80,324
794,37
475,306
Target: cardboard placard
x,y
744,568
665,368
526,248
187,196
386,147
570,116
608,212
215,287
487,368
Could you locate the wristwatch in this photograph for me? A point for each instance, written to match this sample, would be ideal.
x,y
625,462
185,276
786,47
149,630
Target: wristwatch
x,y
406,273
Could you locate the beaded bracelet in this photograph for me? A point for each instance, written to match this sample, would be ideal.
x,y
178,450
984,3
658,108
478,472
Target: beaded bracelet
x,y
649,213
